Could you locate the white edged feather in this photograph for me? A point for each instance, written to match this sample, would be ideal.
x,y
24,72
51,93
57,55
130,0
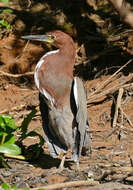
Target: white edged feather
x,y
75,90
39,64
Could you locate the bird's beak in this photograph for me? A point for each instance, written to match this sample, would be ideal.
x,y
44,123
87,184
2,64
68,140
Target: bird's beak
x,y
42,38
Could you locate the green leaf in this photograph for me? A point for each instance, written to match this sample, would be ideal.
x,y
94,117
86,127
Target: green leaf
x,y
26,121
9,121
3,162
14,187
6,117
2,124
6,186
7,124
10,139
3,134
12,149
33,134
7,11
5,1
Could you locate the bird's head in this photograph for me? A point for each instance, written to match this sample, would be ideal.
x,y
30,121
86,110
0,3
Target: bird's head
x,y
56,37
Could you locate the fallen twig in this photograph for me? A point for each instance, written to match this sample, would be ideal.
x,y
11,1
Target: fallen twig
x,y
111,133
128,120
106,174
110,90
111,186
2,73
125,13
2,179
120,36
108,80
68,184
117,107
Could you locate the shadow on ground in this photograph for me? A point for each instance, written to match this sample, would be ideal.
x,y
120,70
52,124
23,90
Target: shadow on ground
x,y
45,161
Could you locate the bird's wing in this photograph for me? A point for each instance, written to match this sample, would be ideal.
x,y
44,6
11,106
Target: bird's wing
x,y
80,99
54,144
39,81
81,116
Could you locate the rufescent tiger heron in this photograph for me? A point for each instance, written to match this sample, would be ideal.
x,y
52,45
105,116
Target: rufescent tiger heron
x,y
62,98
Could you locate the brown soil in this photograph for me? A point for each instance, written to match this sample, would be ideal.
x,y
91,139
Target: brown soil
x,y
110,159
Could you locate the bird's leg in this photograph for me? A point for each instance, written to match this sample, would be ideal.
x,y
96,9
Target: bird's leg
x,y
77,165
61,166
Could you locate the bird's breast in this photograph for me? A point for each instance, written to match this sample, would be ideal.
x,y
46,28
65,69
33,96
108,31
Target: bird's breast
x,y
53,79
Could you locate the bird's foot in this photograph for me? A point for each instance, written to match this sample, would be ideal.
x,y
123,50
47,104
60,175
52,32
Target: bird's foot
x,y
77,167
61,166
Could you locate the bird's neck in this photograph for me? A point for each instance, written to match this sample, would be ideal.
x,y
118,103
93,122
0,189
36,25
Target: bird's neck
x,y
68,51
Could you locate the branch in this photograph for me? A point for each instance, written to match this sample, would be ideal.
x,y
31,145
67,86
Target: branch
x,y
105,83
118,106
2,179
68,184
110,91
2,73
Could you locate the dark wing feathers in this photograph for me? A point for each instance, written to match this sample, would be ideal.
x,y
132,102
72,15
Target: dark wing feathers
x,y
81,131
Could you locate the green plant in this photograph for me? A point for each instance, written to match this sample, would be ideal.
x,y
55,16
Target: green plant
x,y
5,1
6,186
35,149
3,22
7,138
8,147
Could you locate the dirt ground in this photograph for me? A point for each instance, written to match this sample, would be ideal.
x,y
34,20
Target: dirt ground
x,y
110,164
111,158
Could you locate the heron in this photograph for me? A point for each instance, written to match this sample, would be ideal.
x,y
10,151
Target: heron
x,y
62,98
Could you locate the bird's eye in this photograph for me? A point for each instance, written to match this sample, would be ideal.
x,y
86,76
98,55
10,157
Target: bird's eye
x,y
52,37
